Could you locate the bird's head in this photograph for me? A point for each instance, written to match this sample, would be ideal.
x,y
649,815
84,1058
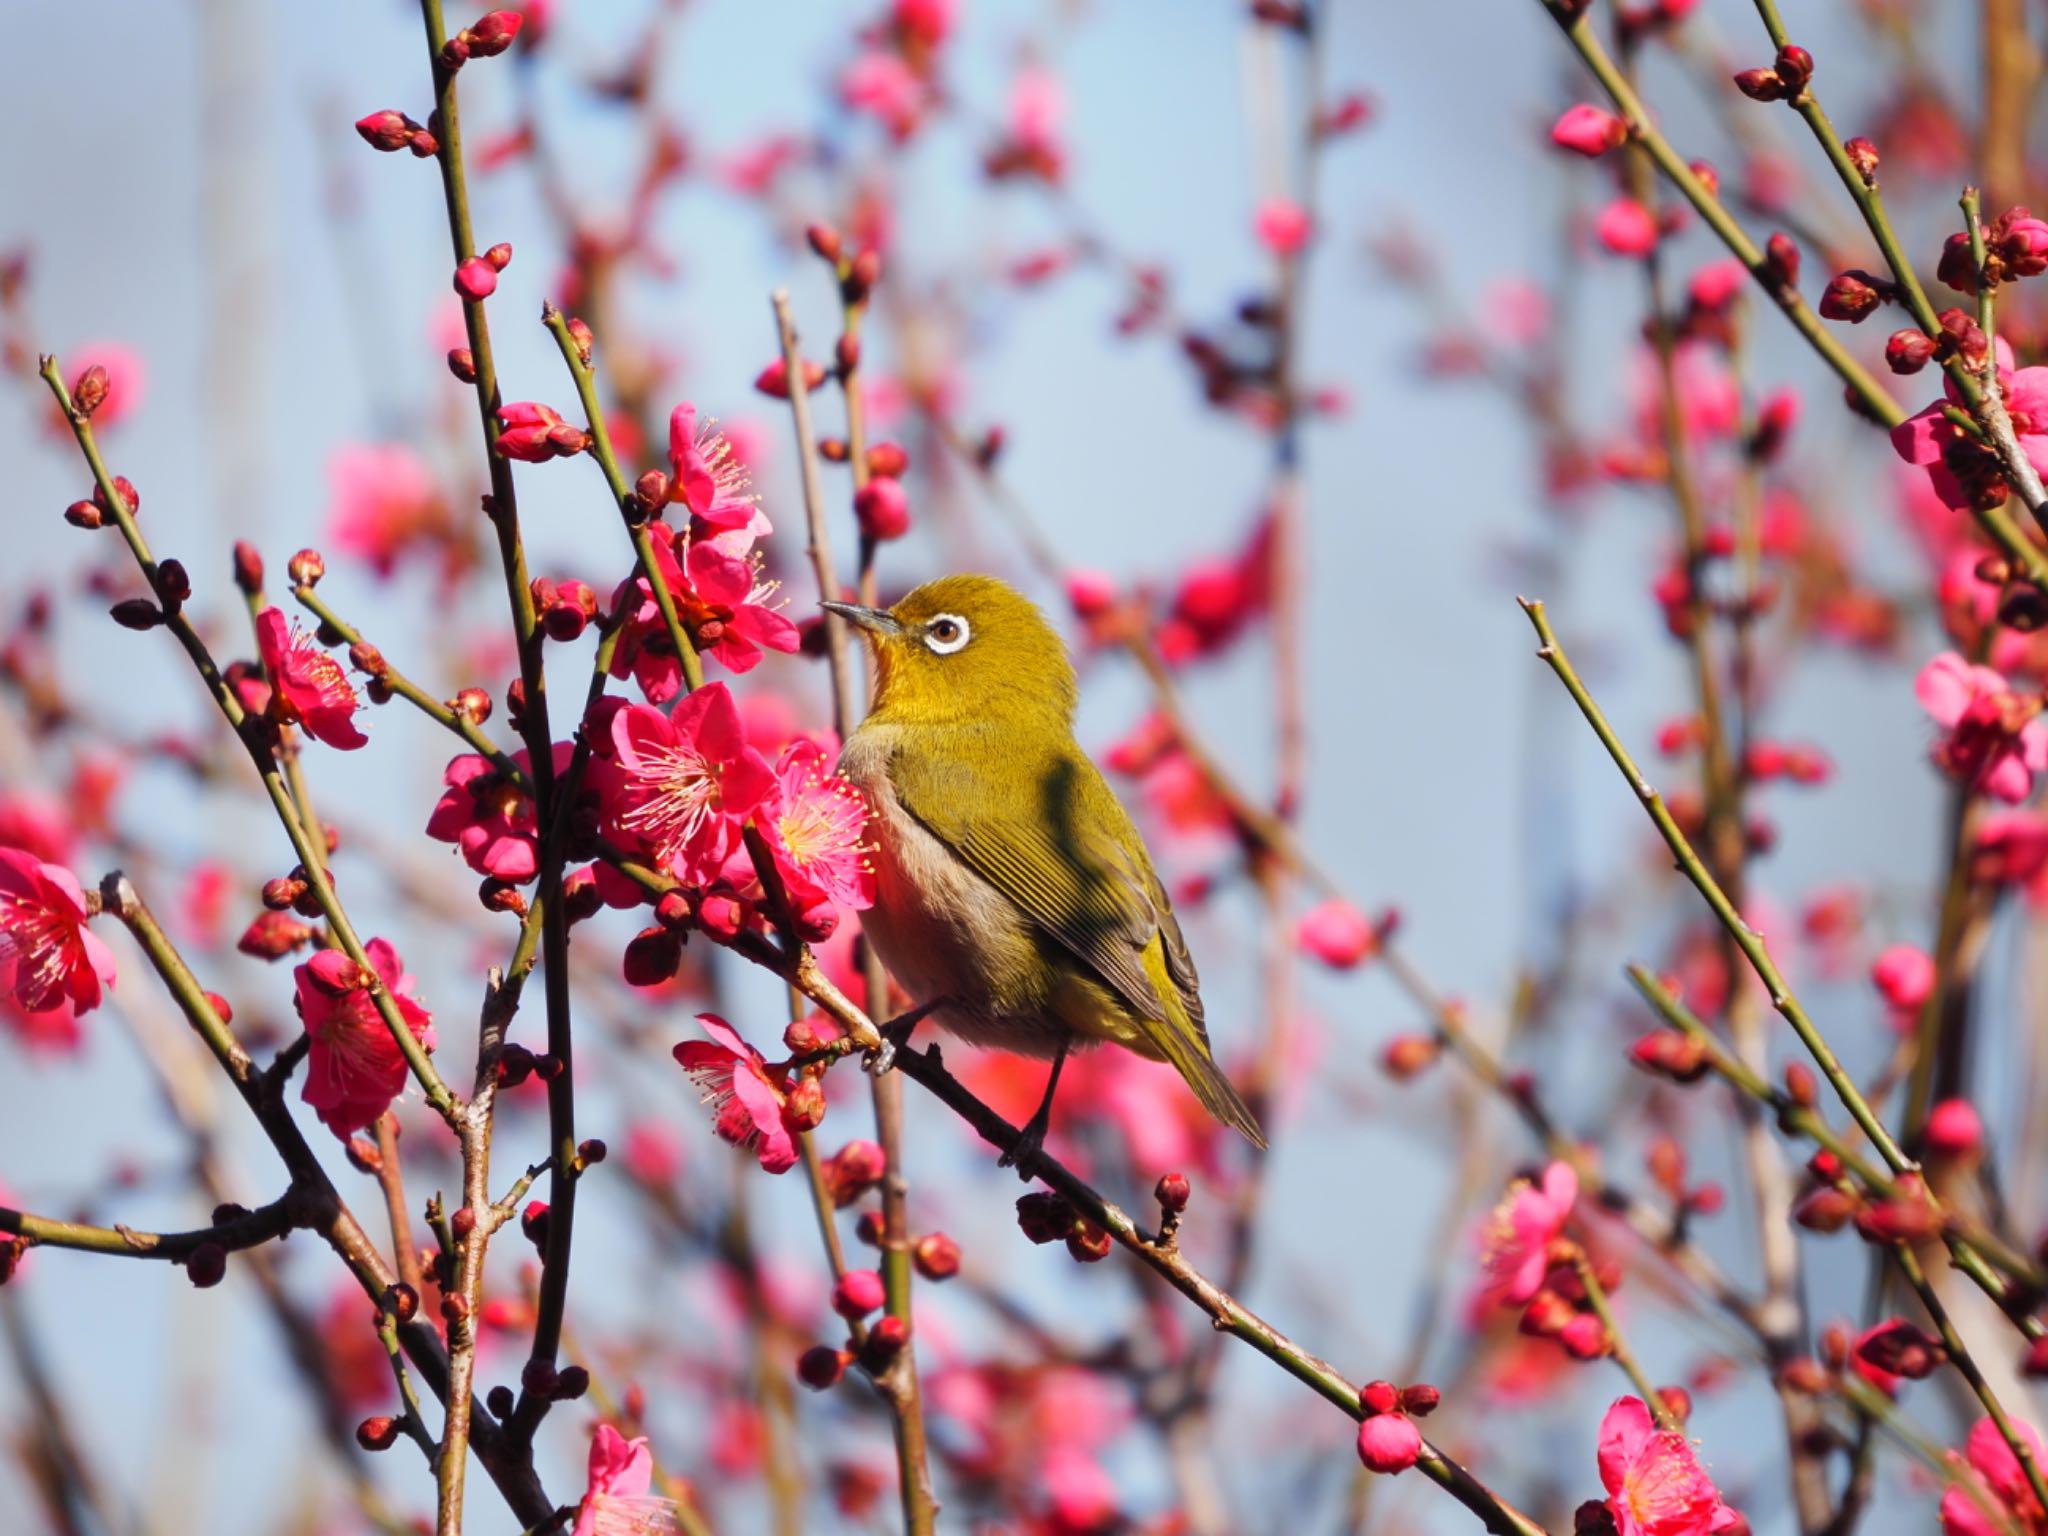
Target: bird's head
x,y
966,649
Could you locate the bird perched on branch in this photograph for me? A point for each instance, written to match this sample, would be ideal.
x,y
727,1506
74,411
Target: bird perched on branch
x,y
1015,901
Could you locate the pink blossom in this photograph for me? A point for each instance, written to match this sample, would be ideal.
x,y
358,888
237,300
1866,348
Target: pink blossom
x,y
1929,439
1283,226
476,279
753,171
1997,740
1516,310
722,603
2002,1484
1718,282
1904,976
738,624
1588,130
711,479
490,817
534,433
1079,1495
681,784
1655,1483
1955,1129
1523,1226
1626,228
813,824
35,823
888,90
307,686
382,500
1035,109
48,958
617,1501
747,1100
1337,933
354,1068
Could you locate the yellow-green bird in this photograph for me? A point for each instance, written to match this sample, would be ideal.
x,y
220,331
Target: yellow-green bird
x,y
1015,901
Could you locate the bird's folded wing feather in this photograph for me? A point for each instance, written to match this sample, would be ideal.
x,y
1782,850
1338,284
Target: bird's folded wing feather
x,y
1064,854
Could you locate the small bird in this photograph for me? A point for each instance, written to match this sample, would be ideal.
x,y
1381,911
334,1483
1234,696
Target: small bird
x,y
1014,899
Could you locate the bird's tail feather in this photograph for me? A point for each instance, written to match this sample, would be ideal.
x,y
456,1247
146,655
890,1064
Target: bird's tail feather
x,y
1210,1085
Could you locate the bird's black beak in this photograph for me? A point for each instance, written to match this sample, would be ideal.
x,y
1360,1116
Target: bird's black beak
x,y
877,621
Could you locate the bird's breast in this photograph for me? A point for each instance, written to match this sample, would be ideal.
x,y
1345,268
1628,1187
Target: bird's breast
x,y
945,932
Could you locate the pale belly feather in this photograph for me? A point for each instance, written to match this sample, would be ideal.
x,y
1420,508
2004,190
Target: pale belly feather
x,y
945,932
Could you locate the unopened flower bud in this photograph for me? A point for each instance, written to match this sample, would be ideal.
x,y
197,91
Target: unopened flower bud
x,y
493,34
1898,1348
1043,1216
173,585
387,130
888,459
90,392
1795,68
1172,1192
124,488
1389,1443
206,1265
1801,1087
858,1292
1781,259
824,240
846,353
279,894
1849,296
379,1432
272,936
862,273
1420,1400
1760,84
472,704
882,509
500,1401
1379,1397
454,53
852,1171
476,280
454,1305
307,567
1088,1243
936,1256
652,956
885,1342
821,1366
651,491
591,1152
537,1377
1405,1056
1671,1053
805,1107
137,613
571,1382
84,514
462,363
1863,157
1907,351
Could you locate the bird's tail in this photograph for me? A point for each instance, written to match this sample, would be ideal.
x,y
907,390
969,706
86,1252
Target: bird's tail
x,y
1193,1062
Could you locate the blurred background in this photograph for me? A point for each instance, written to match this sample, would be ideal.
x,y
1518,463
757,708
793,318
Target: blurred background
x,y
188,198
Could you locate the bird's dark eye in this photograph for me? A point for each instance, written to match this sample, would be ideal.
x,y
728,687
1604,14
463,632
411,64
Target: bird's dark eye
x,y
946,634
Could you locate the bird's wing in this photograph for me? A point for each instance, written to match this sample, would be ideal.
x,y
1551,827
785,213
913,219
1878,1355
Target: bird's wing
x,y
1060,855
1070,859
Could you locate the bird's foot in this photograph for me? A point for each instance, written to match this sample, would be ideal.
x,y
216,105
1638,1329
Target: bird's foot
x,y
896,1034
1023,1153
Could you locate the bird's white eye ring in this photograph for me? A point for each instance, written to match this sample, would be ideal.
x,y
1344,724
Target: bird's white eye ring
x,y
946,633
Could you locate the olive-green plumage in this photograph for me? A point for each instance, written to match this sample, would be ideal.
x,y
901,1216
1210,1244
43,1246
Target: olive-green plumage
x,y
1013,889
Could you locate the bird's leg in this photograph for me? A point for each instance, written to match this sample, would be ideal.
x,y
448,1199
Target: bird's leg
x,y
896,1033
1023,1153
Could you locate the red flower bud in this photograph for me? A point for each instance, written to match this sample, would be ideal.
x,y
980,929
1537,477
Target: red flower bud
x,y
1043,1216
83,514
774,379
1781,260
852,1171
1379,1397
499,256
462,363
90,392
859,1292
824,240
1760,84
493,34
652,956
821,1366
1407,1056
273,936
206,1265
1088,1243
571,1382
1588,130
936,1256
1849,297
386,130
379,1432
1898,1348
1420,1400
476,279
137,613
1863,157
805,1107
1801,1086
1172,1192
888,459
1795,68
882,509
1389,1443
